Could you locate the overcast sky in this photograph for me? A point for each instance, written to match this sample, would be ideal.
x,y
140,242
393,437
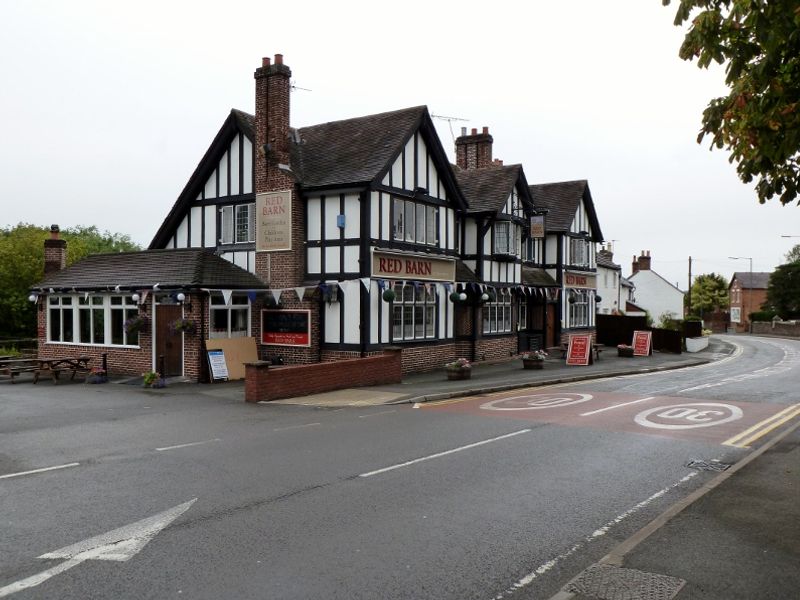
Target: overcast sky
x,y
107,107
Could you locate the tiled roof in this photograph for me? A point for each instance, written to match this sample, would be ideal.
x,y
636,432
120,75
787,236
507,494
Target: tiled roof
x,y
562,200
183,268
537,277
604,259
752,281
487,189
464,273
352,150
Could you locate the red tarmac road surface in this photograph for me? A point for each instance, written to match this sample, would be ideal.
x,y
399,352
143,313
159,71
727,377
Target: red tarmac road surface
x,y
687,418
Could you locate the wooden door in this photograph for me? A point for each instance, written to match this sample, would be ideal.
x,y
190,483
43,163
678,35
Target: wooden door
x,y
168,345
551,325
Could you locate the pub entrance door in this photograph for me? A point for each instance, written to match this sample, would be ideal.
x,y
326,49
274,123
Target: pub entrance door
x,y
168,345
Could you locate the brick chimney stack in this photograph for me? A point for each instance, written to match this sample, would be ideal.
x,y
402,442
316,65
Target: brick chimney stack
x,y
474,151
644,261
55,252
273,88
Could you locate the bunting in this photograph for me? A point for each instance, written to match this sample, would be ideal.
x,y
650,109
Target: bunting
x,y
276,294
143,296
227,295
365,281
252,296
301,292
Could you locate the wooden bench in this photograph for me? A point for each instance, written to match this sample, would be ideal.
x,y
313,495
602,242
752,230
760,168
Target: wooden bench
x,y
54,367
12,367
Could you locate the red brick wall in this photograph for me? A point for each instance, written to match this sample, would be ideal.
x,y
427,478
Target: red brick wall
x,y
495,347
263,382
786,328
428,358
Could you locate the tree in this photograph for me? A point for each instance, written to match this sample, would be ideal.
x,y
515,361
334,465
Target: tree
x,y
759,120
783,291
793,255
22,265
709,293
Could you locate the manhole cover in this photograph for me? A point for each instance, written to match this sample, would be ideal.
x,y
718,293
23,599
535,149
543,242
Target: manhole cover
x,y
607,582
708,465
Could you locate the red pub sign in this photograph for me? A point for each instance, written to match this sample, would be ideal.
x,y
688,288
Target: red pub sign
x,y
411,266
286,327
642,343
579,351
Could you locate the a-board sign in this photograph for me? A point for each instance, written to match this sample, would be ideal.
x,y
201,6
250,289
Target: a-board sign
x,y
579,351
286,327
642,343
217,365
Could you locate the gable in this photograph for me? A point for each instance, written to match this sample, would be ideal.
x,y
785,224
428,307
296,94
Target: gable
x,y
415,167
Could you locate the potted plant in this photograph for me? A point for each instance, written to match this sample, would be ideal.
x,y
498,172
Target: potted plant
x,y
97,375
153,379
533,359
182,326
458,369
135,324
624,350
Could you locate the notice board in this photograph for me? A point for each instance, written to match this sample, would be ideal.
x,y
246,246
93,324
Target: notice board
x,y
642,343
579,351
286,327
217,365
238,351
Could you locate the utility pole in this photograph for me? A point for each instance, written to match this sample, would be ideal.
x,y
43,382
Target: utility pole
x,y
689,308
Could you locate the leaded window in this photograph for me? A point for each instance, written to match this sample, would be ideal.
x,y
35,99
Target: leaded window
x,y
414,311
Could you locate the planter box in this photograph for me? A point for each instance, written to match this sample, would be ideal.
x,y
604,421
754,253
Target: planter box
x,y
696,344
459,374
626,352
528,363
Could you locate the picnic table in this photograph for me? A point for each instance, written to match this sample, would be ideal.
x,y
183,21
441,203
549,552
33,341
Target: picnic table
x,y
11,368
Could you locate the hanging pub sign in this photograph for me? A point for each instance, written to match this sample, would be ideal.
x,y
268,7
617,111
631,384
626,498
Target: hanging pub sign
x,y
642,343
286,327
537,226
274,221
579,351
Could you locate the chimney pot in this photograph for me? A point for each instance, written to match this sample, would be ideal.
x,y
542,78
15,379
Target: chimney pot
x,y
54,231
485,130
474,131
279,59
463,131
265,61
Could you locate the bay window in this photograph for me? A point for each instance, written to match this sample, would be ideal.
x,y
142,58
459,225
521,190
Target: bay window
x,y
414,222
506,240
94,320
414,312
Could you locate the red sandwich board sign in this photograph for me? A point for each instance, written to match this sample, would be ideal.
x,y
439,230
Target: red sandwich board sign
x,y
579,351
642,343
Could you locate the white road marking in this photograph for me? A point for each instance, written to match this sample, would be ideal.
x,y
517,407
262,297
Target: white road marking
x,y
42,470
187,445
297,426
601,531
714,413
121,544
537,401
594,412
383,412
445,453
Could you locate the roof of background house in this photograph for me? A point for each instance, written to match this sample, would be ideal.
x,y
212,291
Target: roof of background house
x,y
184,268
488,189
751,281
624,282
604,259
639,272
562,199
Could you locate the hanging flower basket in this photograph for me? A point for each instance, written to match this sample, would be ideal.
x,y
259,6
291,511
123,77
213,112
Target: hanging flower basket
x,y
135,324
625,350
389,295
182,326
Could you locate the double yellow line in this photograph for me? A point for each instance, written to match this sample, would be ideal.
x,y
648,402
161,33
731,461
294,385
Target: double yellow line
x,y
748,436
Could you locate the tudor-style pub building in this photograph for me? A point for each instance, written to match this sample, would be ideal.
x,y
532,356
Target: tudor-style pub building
x,y
349,237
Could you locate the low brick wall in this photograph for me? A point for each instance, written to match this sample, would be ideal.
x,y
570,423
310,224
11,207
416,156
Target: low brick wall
x,y
263,382
786,328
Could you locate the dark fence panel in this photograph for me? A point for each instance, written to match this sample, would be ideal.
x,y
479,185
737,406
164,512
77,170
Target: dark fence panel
x,y
692,328
618,329
667,340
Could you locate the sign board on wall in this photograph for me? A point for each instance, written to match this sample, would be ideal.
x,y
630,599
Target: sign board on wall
x,y
411,266
576,280
537,226
274,221
579,351
286,327
642,343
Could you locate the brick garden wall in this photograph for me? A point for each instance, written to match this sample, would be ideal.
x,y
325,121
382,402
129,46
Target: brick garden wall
x,y
263,382
786,328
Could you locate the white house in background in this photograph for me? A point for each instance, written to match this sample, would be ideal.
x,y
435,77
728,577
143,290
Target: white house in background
x,y
654,293
610,299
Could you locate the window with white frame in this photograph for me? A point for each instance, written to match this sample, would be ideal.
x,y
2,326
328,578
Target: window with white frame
x,y
579,252
579,309
506,240
229,320
414,312
497,313
522,318
238,224
95,320
415,222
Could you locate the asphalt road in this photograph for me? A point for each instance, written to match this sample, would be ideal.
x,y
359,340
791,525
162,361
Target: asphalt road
x,y
460,499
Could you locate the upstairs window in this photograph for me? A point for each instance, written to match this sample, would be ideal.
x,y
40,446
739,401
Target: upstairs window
x,y
238,224
579,252
506,238
415,222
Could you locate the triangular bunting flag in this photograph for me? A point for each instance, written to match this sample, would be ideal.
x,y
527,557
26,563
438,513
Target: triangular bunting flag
x,y
365,281
143,296
277,295
300,291
227,295
252,296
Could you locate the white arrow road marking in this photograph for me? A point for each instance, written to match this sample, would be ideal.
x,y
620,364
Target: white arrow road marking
x,y
120,545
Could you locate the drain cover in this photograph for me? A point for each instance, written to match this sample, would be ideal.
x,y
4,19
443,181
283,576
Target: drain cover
x,y
606,582
708,465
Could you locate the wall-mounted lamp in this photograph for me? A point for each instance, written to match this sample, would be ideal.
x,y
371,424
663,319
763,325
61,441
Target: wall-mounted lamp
x,y
180,297
135,297
33,298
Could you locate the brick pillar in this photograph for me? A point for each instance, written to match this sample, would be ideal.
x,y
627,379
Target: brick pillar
x,y
55,252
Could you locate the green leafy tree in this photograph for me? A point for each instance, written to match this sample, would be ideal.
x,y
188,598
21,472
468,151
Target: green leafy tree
x,y
22,265
783,291
793,255
759,120
709,293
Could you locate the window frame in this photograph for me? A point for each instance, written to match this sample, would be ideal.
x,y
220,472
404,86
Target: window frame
x,y
215,306
81,306
579,310
415,222
230,225
496,317
411,301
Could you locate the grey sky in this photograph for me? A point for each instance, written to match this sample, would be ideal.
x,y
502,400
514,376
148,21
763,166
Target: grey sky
x,y
106,108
